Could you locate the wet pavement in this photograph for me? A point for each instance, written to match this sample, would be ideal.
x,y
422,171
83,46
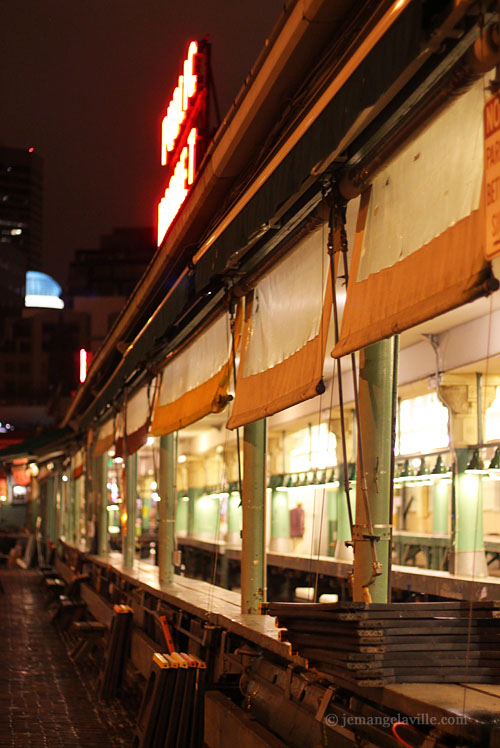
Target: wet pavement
x,y
45,700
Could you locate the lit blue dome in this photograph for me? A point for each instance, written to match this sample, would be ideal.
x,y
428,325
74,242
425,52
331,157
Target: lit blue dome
x,y
42,291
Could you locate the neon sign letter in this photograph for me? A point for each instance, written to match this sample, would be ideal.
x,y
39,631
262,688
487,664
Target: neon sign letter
x,y
177,189
178,121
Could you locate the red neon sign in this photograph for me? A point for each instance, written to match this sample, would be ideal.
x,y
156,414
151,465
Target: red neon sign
x,y
180,134
83,365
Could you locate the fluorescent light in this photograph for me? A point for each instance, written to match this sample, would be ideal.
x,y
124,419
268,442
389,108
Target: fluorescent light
x,y
43,302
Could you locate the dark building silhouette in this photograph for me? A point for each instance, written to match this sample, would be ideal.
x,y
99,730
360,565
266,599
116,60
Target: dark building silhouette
x,y
21,189
114,268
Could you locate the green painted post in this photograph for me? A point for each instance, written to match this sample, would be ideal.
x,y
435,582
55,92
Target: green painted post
x,y
102,503
166,509
280,522
376,417
343,552
131,497
253,550
469,556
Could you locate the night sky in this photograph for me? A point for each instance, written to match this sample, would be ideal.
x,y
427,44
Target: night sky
x,y
84,82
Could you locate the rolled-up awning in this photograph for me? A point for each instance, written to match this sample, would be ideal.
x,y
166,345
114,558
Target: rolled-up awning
x,y
137,420
78,464
284,335
105,437
419,248
195,382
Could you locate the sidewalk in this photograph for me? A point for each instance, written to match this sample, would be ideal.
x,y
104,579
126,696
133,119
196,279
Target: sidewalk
x,y
44,700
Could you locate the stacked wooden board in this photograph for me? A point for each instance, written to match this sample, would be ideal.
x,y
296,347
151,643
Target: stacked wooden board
x,y
172,708
115,658
374,644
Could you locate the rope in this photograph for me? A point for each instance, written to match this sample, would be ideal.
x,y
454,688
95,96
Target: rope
x,y
232,326
337,222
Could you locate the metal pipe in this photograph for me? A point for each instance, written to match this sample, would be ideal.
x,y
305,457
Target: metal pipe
x,y
375,413
253,550
166,509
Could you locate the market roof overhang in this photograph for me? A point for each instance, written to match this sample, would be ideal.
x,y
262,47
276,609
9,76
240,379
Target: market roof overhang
x,y
40,447
379,62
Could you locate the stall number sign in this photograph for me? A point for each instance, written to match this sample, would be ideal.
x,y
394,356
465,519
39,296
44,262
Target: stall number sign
x,y
176,129
492,175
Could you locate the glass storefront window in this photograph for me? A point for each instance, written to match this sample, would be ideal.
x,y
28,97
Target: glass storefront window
x,y
423,425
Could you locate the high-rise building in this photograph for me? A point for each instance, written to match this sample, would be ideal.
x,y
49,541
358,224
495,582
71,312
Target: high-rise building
x,y
21,189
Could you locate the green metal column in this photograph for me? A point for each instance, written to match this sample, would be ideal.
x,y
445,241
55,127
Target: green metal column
x,y
376,413
166,509
253,550
102,503
131,497
280,522
343,552
469,553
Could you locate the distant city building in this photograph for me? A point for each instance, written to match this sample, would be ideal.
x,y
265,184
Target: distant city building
x,y
21,190
115,268
12,279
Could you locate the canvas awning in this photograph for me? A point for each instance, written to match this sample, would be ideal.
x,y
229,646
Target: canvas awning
x,y
78,464
419,248
285,332
137,420
105,437
195,382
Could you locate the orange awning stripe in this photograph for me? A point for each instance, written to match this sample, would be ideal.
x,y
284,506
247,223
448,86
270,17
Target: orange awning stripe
x,y
289,382
449,271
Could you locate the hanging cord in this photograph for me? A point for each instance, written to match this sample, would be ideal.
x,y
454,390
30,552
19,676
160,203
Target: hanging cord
x,y
232,327
331,251
338,236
